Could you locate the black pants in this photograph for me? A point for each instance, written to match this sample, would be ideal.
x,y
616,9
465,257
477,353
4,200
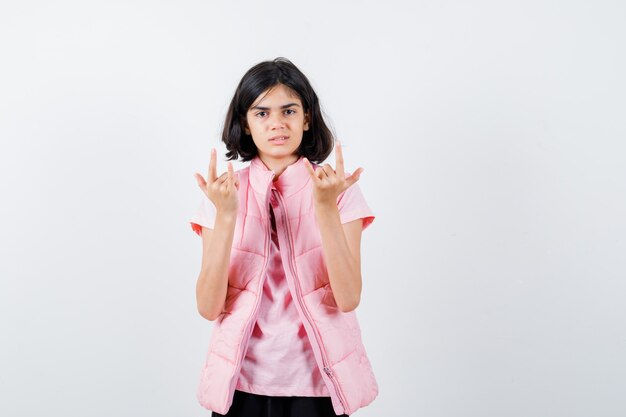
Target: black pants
x,y
246,404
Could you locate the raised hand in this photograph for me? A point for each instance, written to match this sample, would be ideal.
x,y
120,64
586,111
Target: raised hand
x,y
222,190
329,183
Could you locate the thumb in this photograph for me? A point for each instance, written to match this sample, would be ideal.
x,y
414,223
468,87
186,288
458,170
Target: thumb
x,y
355,176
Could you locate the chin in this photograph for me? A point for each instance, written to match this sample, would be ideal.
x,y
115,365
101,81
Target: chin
x,y
281,152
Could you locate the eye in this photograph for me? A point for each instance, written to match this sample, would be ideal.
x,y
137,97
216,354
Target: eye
x,y
261,113
290,110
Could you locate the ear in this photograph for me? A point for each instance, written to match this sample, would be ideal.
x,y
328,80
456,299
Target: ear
x,y
306,121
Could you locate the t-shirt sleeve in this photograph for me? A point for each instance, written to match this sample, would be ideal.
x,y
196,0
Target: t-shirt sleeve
x,y
352,205
204,216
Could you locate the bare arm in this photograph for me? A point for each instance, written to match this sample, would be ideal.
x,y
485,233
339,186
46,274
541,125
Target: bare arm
x,y
212,285
212,282
341,245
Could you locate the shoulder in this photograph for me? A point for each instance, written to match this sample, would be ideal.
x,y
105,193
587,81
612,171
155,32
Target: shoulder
x,y
242,172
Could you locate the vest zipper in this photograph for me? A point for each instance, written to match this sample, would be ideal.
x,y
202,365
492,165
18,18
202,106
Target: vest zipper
x,y
326,365
251,320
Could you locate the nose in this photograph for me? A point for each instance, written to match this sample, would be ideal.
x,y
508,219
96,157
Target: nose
x,y
276,121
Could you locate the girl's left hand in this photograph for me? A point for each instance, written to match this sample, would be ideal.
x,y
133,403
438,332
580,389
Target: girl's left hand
x,y
329,183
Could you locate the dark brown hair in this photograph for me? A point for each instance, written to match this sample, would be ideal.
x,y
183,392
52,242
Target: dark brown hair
x,y
317,141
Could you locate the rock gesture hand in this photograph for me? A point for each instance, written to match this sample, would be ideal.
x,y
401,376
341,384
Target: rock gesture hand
x,y
329,183
222,190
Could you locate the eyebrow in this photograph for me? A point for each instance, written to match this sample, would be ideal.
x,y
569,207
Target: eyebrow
x,y
267,108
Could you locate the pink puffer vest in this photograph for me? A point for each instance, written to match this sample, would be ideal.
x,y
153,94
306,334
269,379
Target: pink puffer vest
x,y
335,336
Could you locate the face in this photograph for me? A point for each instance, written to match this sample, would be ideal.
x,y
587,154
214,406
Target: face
x,y
276,121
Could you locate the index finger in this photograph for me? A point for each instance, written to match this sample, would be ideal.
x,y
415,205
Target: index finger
x,y
339,160
212,175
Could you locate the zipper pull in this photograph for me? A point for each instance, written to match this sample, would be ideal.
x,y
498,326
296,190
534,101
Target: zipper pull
x,y
328,371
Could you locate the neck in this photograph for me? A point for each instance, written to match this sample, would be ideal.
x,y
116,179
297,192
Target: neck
x,y
278,165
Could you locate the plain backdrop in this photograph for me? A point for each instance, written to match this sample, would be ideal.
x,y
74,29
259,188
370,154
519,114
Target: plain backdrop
x,y
492,134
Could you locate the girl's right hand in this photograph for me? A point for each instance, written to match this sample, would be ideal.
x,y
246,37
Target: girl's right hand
x,y
222,190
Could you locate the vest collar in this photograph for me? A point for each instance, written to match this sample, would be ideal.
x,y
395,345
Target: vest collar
x,y
293,178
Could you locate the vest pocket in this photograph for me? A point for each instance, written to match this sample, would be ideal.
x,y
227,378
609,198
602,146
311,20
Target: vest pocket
x,y
329,298
232,293
243,267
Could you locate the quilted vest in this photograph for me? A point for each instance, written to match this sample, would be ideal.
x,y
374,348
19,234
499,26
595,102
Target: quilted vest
x,y
335,336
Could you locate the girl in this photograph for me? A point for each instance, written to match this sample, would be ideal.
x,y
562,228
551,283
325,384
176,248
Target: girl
x,y
281,274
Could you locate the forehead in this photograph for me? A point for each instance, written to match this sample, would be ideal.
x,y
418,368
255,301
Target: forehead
x,y
276,96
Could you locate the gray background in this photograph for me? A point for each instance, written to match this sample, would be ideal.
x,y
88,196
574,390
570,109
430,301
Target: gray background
x,y
492,137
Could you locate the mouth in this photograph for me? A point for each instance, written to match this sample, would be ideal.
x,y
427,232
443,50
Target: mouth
x,y
279,140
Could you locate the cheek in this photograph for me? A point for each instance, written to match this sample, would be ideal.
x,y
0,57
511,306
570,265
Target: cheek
x,y
254,127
